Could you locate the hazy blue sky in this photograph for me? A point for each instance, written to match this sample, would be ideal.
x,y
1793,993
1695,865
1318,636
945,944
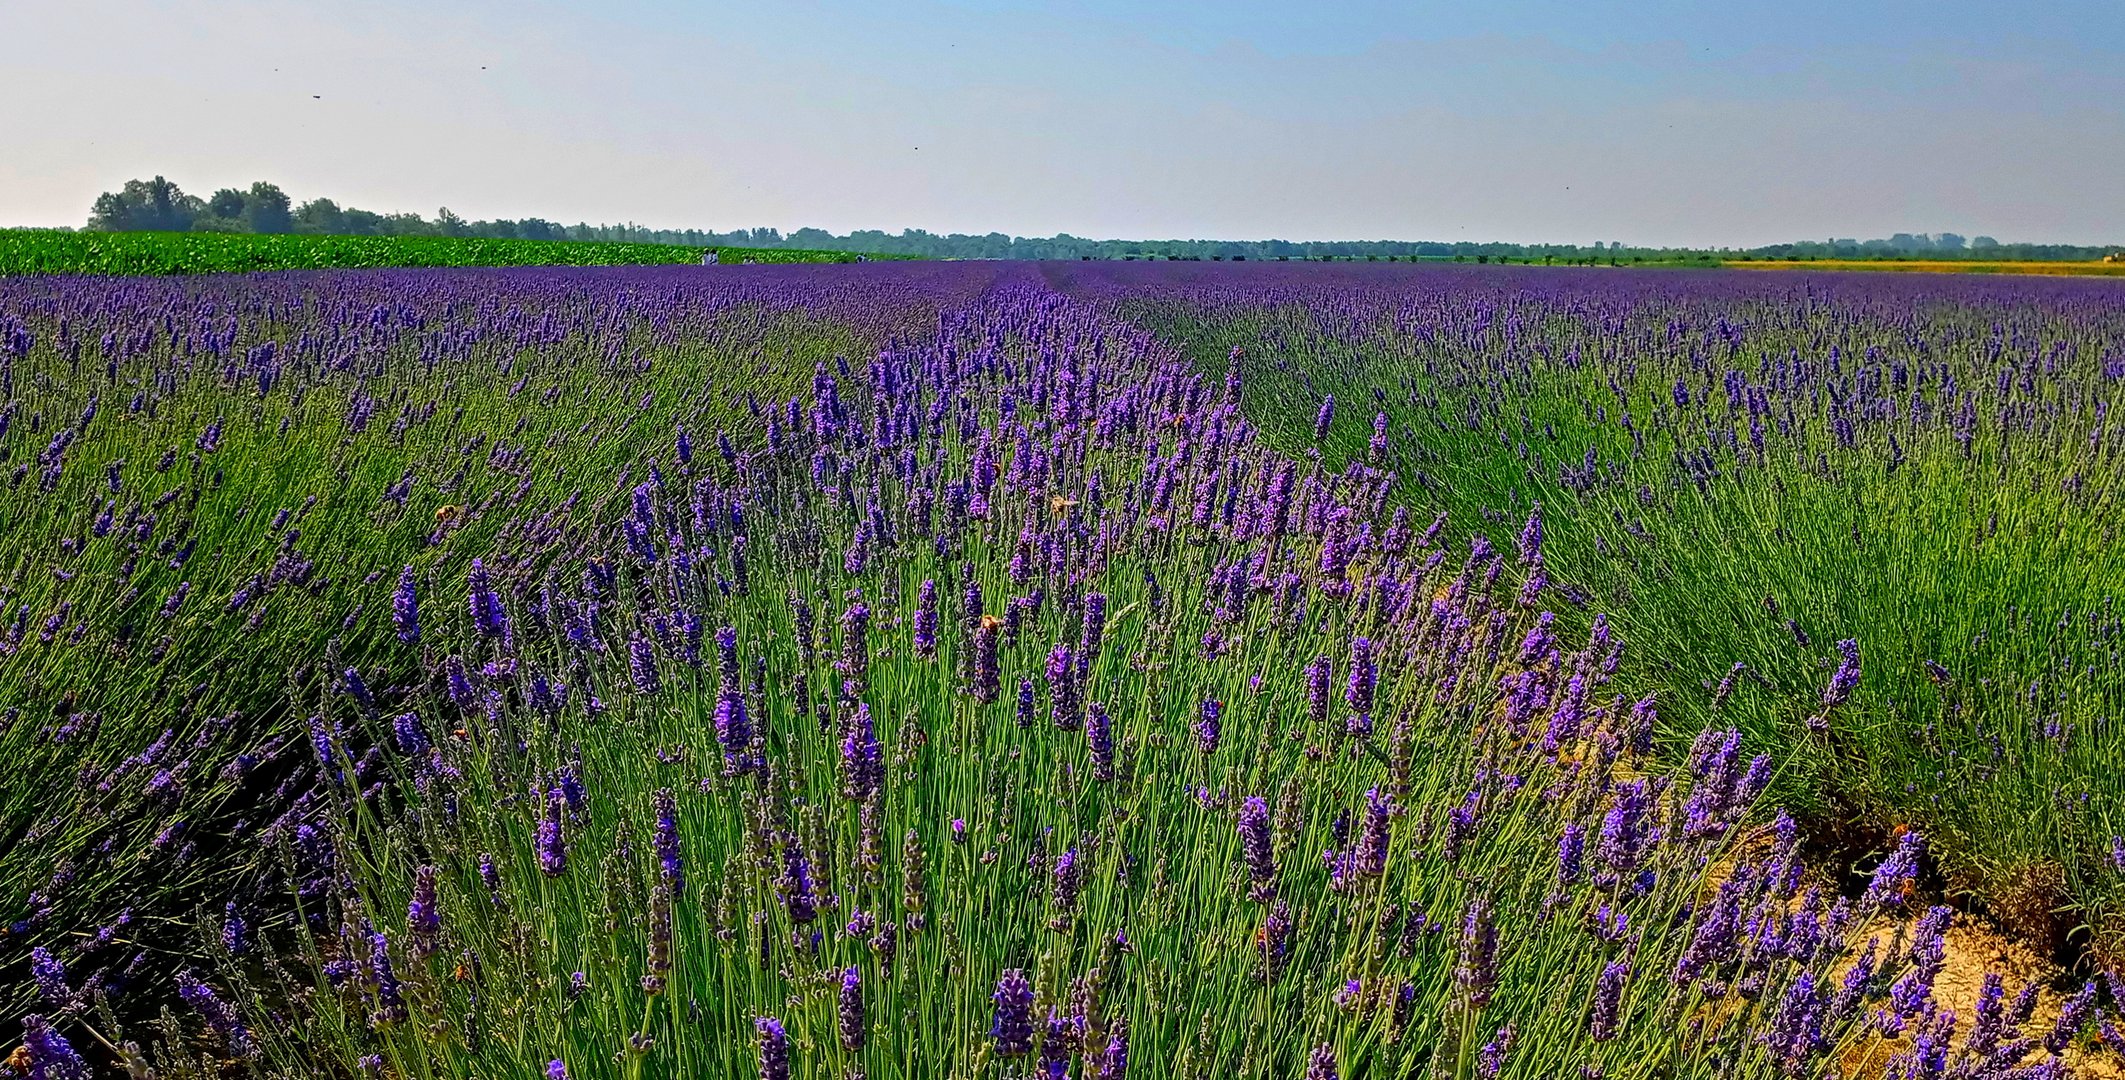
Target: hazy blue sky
x,y
1664,122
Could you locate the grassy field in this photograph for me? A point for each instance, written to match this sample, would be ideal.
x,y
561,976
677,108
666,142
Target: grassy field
x,y
1002,671
46,251
1937,266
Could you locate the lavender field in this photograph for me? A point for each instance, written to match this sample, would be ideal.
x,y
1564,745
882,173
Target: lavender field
x,y
1058,670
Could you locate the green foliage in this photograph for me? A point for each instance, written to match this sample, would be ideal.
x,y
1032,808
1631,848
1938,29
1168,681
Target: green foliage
x,y
54,252
147,205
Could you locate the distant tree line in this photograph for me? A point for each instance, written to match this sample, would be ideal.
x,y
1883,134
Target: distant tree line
x,y
159,205
1934,246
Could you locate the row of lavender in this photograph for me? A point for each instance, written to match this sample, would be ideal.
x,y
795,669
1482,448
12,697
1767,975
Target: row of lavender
x,y
1743,469
997,705
204,481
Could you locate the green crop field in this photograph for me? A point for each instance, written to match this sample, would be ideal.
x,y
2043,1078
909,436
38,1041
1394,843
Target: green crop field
x,y
47,251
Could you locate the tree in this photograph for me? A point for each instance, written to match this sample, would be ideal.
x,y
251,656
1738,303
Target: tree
x,y
321,217
156,205
226,203
363,222
449,224
266,209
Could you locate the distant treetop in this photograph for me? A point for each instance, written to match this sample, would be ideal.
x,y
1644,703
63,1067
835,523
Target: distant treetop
x,y
159,205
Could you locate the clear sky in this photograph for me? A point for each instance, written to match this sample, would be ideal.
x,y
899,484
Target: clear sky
x,y
1712,123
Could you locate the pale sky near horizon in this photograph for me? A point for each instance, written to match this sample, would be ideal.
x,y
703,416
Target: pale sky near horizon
x,y
1661,122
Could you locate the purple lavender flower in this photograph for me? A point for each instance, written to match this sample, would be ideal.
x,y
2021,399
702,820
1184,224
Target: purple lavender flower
x,y
1796,1030
1336,550
176,600
424,918
1321,1063
390,999
410,737
1099,735
733,731
1255,846
1928,954
1887,887
1490,1060
1208,727
1063,699
1608,1000
671,866
926,621
1717,935
406,608
1114,1060
642,666
488,615
556,1070
2073,1015
850,1009
1322,419
796,885
235,935
774,1049
50,977
862,758
1571,854
1279,935
552,847
1644,716
1842,681
1319,673
491,876
459,684
1374,837
1013,1027
1537,581
660,931
1531,536
970,602
727,656
1067,877
1364,678
987,680
357,688
1093,632
1856,985
1480,551
1056,1043
50,1056
1624,832
1476,964
1540,642
855,662
219,1015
